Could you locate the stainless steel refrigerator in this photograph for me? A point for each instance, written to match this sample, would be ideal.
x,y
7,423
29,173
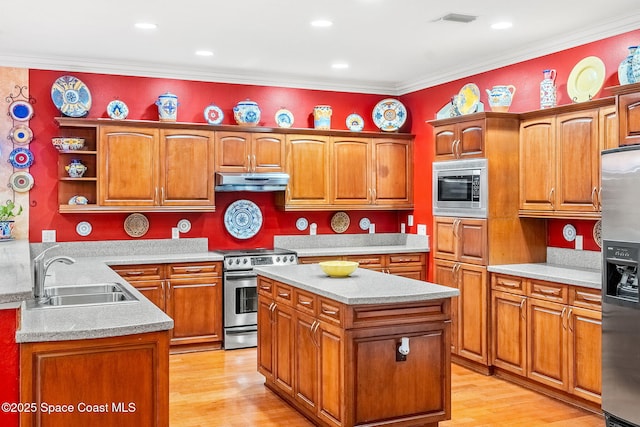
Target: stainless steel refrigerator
x,y
620,303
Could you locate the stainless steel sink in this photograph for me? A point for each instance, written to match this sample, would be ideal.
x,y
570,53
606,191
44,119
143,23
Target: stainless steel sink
x,y
90,294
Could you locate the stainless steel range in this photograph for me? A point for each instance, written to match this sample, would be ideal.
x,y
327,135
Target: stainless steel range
x,y
241,292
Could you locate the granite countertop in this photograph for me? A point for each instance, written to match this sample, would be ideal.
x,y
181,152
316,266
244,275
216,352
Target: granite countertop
x,y
362,287
99,321
586,277
15,265
353,244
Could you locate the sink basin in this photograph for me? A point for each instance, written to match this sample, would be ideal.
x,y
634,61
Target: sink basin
x,y
90,294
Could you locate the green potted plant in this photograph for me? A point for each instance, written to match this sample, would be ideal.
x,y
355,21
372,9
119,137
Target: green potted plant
x,y
7,212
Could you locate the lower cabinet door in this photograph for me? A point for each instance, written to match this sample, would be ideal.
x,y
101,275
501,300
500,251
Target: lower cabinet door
x,y
444,274
509,327
585,353
194,305
153,290
265,337
472,313
283,341
546,339
306,363
330,341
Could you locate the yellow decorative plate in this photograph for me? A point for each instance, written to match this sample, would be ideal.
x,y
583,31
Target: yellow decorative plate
x,y
586,79
468,98
340,222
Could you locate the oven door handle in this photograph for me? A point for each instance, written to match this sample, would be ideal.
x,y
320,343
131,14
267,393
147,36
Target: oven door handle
x,y
242,332
238,275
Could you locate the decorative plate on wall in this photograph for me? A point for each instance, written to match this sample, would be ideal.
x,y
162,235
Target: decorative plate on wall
x,y
184,225
84,228
284,118
355,122
21,181
117,110
597,233
586,79
340,222
71,96
302,223
21,111
569,233
365,223
21,134
389,114
213,114
136,225
21,158
243,219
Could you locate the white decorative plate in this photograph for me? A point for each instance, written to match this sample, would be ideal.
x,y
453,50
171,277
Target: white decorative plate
x,y
468,98
586,79
355,122
21,181
243,219
340,222
302,224
184,225
21,111
284,118
365,223
71,96
213,114
117,110
597,233
84,228
21,134
389,114
136,225
569,233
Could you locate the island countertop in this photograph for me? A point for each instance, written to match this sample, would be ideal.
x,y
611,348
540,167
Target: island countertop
x,y
362,287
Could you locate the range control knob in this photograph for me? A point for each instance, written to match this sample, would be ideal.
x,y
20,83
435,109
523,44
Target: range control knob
x,y
230,261
277,259
291,258
237,260
244,260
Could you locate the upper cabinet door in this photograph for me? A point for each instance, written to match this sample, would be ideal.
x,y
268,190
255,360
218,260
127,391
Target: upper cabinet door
x,y
444,141
629,116
233,151
267,152
351,171
308,161
393,173
187,168
459,140
538,165
129,166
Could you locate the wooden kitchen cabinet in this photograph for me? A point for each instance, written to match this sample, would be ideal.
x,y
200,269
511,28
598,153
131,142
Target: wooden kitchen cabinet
x,y
412,265
307,163
190,293
249,152
155,168
460,239
509,333
351,171
393,173
461,139
628,102
125,380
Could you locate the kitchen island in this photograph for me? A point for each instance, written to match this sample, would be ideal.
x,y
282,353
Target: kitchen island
x,y
369,349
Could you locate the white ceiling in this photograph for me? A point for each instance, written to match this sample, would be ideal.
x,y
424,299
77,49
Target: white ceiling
x,y
391,46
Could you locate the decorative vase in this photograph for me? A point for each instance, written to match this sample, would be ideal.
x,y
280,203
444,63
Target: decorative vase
x,y
167,107
635,67
247,113
75,169
322,117
548,89
625,70
6,229
500,97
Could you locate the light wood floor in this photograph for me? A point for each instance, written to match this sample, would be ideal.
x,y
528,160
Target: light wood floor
x,y
223,388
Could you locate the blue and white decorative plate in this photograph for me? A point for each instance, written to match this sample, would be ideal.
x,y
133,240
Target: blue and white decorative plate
x,y
213,114
364,223
389,115
21,111
355,122
21,158
21,181
284,118
21,134
84,228
117,110
302,223
243,219
71,96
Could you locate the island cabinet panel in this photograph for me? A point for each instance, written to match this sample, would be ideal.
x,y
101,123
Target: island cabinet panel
x,y
410,265
337,365
117,381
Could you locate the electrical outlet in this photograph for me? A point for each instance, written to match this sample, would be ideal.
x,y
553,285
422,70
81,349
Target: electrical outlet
x,y
410,220
313,229
579,243
175,233
48,236
422,229
403,227
372,228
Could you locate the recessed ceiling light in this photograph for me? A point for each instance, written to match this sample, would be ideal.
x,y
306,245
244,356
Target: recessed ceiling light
x,y
321,23
204,53
146,26
501,25
340,65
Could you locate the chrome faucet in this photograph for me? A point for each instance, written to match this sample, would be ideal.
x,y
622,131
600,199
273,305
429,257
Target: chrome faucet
x,y
40,267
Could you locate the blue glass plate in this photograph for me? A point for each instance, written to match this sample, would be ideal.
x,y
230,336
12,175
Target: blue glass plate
x,y
71,96
243,219
21,158
21,111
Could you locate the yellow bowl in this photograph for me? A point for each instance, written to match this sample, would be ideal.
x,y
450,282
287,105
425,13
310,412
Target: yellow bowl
x,y
338,268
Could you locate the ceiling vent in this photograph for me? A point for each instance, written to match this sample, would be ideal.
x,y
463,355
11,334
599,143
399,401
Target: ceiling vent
x,y
458,17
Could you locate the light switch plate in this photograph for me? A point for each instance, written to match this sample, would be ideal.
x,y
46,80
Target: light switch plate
x,y
372,228
48,236
579,243
410,220
422,229
403,227
313,229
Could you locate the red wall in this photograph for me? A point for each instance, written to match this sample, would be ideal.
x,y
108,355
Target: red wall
x,y
140,93
9,373
526,76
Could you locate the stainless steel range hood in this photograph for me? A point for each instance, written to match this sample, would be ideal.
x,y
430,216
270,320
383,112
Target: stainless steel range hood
x,y
268,181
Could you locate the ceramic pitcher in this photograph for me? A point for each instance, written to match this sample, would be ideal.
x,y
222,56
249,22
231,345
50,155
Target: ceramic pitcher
x,y
322,117
75,169
500,97
167,107
548,89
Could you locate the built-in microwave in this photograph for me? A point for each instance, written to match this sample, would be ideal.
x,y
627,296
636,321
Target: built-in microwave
x,y
460,188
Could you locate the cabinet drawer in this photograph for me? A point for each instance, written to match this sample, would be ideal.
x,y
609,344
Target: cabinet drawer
x,y
305,301
399,260
265,287
139,272
366,261
330,311
512,284
316,259
193,268
548,291
585,297
283,293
